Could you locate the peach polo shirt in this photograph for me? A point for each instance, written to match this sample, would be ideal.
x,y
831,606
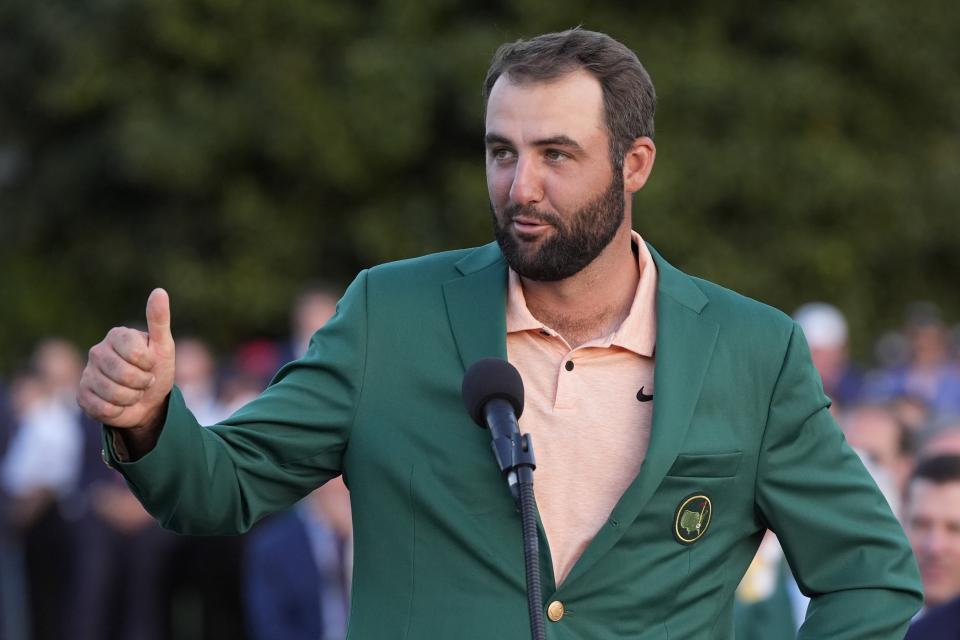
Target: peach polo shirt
x,y
588,411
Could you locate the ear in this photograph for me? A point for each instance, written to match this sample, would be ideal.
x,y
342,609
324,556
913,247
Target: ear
x,y
638,163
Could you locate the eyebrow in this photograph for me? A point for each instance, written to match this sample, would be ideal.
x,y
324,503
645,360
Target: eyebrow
x,y
552,141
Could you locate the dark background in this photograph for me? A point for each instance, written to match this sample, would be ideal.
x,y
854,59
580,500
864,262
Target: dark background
x,y
233,151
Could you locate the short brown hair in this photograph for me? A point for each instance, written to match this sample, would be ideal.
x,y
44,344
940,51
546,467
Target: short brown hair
x,y
629,99
939,469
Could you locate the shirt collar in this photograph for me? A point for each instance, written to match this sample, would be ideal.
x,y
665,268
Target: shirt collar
x,y
637,332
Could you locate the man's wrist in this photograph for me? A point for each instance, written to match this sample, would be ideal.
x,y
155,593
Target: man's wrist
x,y
132,443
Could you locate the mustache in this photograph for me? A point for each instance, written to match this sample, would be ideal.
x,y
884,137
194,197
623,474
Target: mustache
x,y
513,211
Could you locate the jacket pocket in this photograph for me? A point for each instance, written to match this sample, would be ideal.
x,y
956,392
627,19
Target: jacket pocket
x,y
706,465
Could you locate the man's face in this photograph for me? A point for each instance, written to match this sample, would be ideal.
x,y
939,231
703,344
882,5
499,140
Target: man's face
x,y
874,432
933,526
557,201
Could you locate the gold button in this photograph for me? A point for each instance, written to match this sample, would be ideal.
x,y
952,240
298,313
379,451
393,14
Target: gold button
x,y
555,611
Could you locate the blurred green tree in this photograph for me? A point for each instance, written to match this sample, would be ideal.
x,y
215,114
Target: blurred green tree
x,y
233,151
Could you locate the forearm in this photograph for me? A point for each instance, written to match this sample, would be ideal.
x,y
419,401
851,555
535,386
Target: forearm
x,y
220,480
861,614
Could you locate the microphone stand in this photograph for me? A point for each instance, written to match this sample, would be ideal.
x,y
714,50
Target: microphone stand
x,y
514,454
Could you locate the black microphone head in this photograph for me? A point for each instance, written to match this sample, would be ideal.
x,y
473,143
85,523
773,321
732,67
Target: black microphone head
x,y
488,379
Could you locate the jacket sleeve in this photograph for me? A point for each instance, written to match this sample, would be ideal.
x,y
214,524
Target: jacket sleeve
x,y
847,550
271,452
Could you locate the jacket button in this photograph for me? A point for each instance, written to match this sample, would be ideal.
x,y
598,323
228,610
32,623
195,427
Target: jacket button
x,y
555,611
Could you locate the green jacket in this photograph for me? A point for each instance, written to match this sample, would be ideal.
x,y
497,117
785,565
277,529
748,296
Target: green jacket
x,y
740,417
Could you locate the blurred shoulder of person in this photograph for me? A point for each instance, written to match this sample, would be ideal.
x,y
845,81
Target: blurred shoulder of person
x,y
298,567
941,623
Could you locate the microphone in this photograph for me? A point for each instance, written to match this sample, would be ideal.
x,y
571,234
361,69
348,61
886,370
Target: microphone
x,y
493,380
493,396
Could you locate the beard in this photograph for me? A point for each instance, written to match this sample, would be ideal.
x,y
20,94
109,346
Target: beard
x,y
574,243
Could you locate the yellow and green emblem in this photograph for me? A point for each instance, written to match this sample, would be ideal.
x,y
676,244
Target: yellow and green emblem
x,y
692,518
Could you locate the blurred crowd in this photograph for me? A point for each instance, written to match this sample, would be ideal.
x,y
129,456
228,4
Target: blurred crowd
x,y
81,558
903,418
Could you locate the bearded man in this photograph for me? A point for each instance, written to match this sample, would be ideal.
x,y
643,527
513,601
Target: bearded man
x,y
674,421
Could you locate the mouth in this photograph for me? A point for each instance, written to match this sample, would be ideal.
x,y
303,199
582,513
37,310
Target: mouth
x,y
529,226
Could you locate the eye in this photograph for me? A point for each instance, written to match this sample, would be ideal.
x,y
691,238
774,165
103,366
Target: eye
x,y
500,154
555,155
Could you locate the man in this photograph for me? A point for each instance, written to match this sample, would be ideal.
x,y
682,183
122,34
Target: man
x,y
296,570
740,438
930,373
886,444
825,328
933,526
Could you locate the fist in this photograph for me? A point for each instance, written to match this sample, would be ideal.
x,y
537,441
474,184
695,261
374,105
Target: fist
x,y
130,373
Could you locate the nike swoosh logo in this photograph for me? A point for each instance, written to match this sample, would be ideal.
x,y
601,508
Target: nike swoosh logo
x,y
642,397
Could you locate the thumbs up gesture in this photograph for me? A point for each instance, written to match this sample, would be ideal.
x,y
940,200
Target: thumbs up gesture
x,y
130,373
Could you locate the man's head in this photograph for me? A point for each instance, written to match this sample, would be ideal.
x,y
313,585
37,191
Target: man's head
x,y
629,99
878,435
569,126
825,329
929,335
933,526
311,310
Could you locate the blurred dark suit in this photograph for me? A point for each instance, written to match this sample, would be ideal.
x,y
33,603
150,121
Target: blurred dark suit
x,y
941,623
287,591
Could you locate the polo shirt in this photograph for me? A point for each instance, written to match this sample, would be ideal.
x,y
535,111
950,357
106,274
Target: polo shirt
x,y
588,411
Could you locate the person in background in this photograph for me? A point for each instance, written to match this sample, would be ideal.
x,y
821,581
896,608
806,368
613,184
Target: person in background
x,y
119,556
297,568
915,413
825,328
38,474
886,445
311,310
930,372
932,523
13,625
196,374
297,562
769,604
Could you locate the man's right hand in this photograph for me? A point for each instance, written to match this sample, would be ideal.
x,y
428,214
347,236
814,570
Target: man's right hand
x,y
130,374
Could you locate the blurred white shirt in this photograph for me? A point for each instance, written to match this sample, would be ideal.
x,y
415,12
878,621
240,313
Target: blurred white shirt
x,y
46,450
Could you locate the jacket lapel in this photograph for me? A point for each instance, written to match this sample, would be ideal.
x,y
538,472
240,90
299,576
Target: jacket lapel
x,y
685,342
476,305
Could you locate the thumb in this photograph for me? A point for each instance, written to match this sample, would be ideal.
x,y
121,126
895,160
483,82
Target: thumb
x,y
158,318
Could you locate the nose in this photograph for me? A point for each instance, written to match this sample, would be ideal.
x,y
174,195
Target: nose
x,y
933,543
527,187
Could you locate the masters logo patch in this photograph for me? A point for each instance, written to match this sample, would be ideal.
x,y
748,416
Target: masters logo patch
x,y
692,518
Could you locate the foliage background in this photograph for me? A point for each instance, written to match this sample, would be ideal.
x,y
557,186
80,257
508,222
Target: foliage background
x,y
233,151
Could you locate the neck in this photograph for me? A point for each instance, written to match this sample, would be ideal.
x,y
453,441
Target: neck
x,y
593,302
